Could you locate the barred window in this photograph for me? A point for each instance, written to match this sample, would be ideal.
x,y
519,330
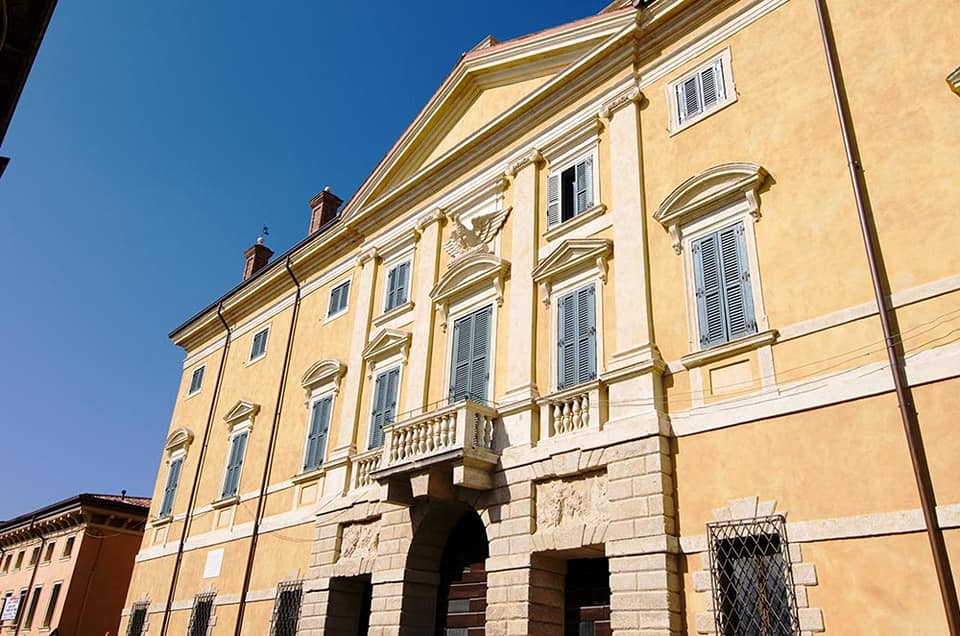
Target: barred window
x,y
752,581
138,618
286,609
201,614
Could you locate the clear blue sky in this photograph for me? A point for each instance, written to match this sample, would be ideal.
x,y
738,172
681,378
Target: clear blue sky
x,y
152,141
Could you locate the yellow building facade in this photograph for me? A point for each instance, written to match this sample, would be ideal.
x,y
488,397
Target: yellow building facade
x,y
596,349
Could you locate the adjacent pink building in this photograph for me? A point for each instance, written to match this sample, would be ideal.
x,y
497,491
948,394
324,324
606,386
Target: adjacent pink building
x,y
67,566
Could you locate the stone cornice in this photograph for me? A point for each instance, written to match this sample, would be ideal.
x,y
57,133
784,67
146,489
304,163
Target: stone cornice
x,y
627,97
953,81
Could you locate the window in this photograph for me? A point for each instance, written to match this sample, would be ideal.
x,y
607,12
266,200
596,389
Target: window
x,y
722,286
286,609
34,601
384,405
259,347
338,299
398,283
21,606
752,581
3,606
196,380
317,433
51,605
138,618
6,563
48,552
697,94
577,338
231,480
68,548
570,191
170,490
19,562
201,614
469,368
34,555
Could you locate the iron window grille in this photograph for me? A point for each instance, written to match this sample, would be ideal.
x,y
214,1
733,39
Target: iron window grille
x,y
753,589
201,614
286,609
138,618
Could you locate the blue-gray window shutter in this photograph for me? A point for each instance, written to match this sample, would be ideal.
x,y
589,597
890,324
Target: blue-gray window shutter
x,y
317,437
471,351
403,277
586,335
237,448
384,405
722,279
392,288
553,199
173,480
584,185
567,341
688,98
710,83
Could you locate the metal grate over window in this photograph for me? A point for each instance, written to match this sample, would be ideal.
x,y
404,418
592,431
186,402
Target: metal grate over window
x,y
201,614
138,618
286,609
752,581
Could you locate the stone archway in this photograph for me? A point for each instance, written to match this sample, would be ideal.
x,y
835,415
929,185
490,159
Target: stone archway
x,y
444,579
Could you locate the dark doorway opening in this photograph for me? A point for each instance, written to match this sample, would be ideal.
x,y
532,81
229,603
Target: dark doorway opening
x,y
587,598
462,589
349,606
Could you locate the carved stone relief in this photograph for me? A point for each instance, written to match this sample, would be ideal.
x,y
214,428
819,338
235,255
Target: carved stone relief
x,y
580,499
359,540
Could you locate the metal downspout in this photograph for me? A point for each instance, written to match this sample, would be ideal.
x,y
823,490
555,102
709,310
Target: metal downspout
x,y
268,464
891,335
196,476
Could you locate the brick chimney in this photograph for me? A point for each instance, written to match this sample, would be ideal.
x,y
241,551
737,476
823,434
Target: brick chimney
x,y
324,206
257,256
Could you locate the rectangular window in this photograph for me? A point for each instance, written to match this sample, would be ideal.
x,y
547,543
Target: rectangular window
x,y
317,435
286,609
570,192
196,380
32,611
3,607
577,338
6,563
722,280
68,548
231,481
19,562
752,581
138,618
170,490
701,92
201,614
259,347
338,299
398,283
34,555
51,605
384,405
469,368
48,552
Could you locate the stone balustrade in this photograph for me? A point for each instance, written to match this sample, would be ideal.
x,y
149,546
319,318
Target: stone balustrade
x,y
363,465
579,408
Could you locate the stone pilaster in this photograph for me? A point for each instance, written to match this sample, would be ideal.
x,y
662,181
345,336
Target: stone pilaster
x,y
424,277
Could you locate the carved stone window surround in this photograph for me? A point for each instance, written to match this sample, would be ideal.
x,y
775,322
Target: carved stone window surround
x,y
241,416
468,277
732,348
388,348
323,376
396,312
564,228
568,258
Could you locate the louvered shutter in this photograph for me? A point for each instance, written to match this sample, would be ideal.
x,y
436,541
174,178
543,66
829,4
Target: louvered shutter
x,y
237,447
480,354
390,403
688,97
553,199
403,278
317,437
706,269
460,367
391,289
738,299
711,84
584,186
376,419
173,480
567,341
586,335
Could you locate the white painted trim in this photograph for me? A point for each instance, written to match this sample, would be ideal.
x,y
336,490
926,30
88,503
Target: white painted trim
x,y
327,316
266,344
674,125
213,347
200,368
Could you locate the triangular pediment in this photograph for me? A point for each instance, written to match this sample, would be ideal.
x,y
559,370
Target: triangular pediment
x,y
573,255
385,343
241,411
487,82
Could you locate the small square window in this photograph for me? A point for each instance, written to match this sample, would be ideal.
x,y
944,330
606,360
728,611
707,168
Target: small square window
x,y
138,618
398,285
705,90
570,191
338,299
196,380
68,548
259,347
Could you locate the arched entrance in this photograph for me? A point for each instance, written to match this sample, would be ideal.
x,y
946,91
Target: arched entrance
x,y
445,583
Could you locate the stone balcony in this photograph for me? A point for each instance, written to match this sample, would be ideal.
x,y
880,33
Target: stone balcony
x,y
448,446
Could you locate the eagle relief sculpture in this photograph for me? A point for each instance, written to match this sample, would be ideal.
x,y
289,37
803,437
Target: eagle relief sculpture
x,y
464,241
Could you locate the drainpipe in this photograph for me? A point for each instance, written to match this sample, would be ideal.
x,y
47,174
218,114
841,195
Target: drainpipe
x,y
891,334
196,476
90,575
268,464
33,576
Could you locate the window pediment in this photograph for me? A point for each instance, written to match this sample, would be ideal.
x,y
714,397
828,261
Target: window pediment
x,y
180,438
713,188
241,412
465,276
387,343
570,256
323,372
